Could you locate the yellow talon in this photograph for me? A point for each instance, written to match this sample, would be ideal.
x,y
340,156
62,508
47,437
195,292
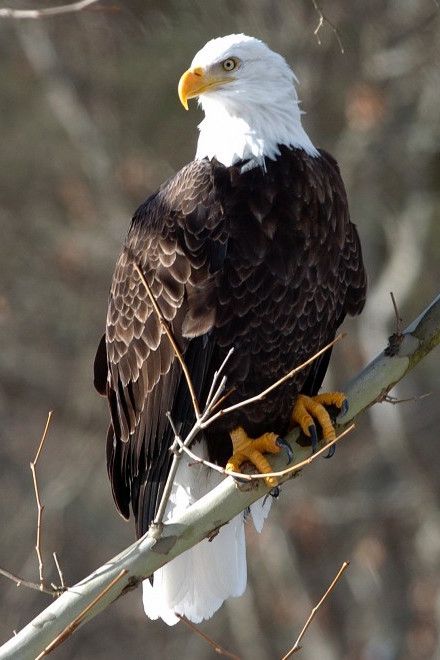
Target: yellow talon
x,y
248,449
307,409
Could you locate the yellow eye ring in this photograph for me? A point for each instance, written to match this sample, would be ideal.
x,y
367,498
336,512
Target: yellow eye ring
x,y
229,64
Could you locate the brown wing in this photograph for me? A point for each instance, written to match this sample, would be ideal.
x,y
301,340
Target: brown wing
x,y
348,280
177,241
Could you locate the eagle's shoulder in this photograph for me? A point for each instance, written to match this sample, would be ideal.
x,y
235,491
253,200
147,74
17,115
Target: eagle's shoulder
x,y
192,190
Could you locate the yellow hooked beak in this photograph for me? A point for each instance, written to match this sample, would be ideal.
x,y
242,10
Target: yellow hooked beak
x,y
195,82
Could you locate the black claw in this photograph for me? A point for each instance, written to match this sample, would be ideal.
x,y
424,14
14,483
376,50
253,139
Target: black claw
x,y
344,408
275,493
331,452
287,448
314,437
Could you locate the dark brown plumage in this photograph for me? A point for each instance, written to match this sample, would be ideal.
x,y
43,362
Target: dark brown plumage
x,y
265,261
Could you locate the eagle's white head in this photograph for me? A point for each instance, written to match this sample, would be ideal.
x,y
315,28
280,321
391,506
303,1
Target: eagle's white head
x,y
249,98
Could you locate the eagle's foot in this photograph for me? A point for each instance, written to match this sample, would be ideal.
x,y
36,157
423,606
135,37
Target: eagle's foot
x,y
307,409
252,450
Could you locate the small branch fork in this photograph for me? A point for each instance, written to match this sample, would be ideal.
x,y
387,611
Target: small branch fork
x,y
40,507
215,645
52,589
297,646
73,625
322,20
241,476
8,12
207,418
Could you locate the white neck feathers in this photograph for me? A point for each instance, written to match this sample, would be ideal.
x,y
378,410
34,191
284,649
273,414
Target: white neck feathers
x,y
230,133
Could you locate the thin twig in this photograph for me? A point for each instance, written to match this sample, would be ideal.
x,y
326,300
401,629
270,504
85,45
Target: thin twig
x,y
170,336
8,12
157,522
260,475
212,396
323,19
394,400
40,507
60,572
261,395
205,420
399,320
25,583
217,648
69,629
296,647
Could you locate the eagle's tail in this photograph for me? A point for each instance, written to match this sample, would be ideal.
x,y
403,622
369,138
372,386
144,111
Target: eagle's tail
x,y
196,583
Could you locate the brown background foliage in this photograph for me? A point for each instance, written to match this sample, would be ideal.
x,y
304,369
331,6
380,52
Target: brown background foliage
x,y
90,125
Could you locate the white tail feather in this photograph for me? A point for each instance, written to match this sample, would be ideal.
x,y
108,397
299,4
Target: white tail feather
x,y
196,583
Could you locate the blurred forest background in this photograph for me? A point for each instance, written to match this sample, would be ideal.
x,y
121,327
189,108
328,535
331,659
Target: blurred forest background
x,y
90,125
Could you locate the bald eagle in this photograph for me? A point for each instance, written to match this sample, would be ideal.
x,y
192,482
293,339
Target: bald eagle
x,y
248,246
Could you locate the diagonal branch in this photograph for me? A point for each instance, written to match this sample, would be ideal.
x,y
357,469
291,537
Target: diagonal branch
x,y
279,474
8,12
297,646
215,645
218,507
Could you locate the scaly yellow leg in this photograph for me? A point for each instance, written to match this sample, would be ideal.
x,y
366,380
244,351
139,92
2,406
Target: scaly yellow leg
x,y
307,409
249,449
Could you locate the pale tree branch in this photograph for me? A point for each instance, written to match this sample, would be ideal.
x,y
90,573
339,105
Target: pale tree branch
x,y
217,507
73,625
9,12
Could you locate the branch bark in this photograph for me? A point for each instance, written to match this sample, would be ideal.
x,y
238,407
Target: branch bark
x,y
90,596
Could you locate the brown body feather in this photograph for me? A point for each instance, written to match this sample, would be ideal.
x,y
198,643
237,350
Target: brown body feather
x,y
266,261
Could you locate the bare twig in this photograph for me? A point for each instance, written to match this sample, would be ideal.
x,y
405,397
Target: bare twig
x,y
156,526
297,646
60,573
53,590
263,393
40,507
70,629
8,12
205,420
260,475
213,395
170,336
399,320
25,583
323,19
217,648
395,400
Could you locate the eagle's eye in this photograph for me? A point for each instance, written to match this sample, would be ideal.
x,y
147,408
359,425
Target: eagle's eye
x,y
229,64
